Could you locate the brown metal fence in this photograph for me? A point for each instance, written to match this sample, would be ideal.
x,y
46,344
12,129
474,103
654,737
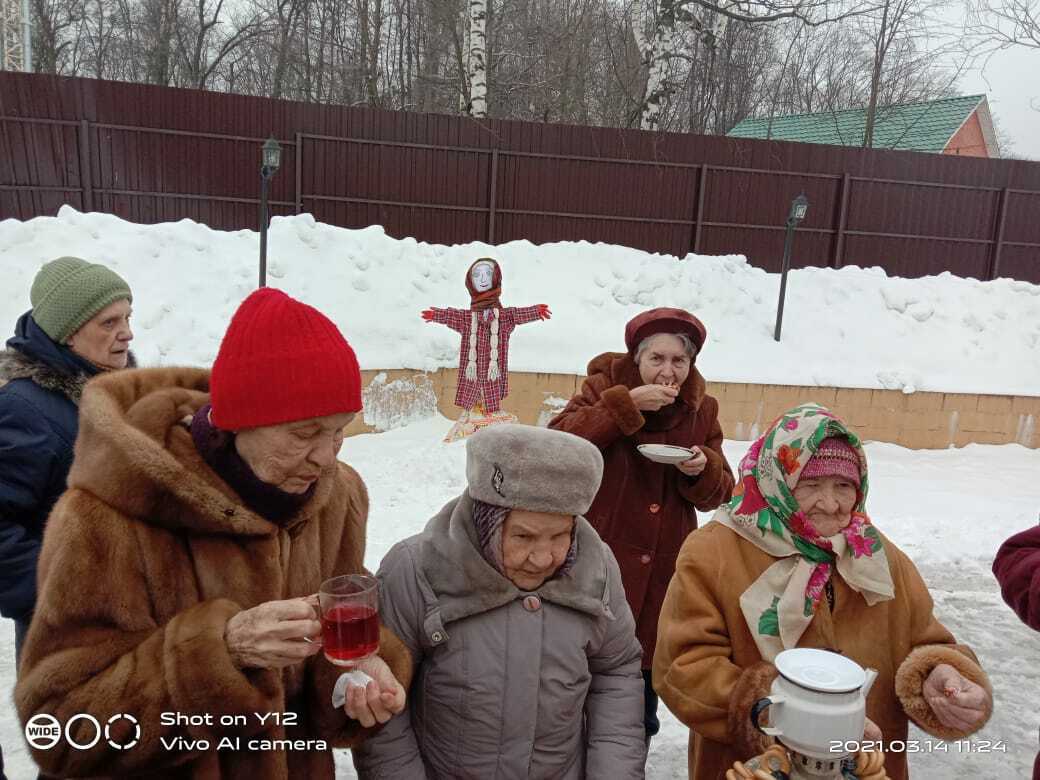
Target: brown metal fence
x,y
152,154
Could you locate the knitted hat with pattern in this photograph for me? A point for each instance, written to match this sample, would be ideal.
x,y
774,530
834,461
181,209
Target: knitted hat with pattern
x,y
834,458
68,292
280,361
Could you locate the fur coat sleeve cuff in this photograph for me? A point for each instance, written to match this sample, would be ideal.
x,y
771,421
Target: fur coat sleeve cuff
x,y
201,676
333,725
618,402
915,670
707,490
754,683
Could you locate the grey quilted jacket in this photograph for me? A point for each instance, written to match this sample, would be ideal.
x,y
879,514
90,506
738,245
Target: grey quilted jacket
x,y
508,684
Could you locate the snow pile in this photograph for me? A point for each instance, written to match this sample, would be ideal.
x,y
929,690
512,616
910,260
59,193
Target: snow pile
x,y
851,328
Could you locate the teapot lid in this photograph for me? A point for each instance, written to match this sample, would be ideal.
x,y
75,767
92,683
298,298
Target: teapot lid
x,y
820,670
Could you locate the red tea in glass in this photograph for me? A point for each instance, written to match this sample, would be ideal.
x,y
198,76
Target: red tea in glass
x,y
349,632
349,618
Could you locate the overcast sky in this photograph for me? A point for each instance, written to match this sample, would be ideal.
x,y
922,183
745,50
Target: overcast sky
x,y
1011,80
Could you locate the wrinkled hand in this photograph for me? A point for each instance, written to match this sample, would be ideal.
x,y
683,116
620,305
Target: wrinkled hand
x,y
428,314
650,398
872,732
957,702
543,311
694,465
378,701
272,635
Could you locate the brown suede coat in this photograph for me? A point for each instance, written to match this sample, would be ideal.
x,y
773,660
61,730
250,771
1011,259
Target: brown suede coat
x,y
145,558
644,510
709,672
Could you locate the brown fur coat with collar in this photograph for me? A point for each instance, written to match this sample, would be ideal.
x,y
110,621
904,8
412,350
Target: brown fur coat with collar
x,y
645,510
709,672
145,558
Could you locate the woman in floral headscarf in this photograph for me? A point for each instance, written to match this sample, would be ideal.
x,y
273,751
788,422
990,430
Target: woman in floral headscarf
x,y
794,561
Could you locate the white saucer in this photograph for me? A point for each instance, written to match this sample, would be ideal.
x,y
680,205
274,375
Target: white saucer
x,y
665,453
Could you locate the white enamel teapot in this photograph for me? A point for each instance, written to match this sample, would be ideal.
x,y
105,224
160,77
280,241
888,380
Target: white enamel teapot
x,y
817,703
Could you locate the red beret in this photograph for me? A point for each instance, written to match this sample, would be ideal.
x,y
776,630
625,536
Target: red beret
x,y
664,320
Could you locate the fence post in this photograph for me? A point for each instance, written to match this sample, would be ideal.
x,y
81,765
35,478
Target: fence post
x,y
843,217
698,217
492,195
998,236
299,172
86,177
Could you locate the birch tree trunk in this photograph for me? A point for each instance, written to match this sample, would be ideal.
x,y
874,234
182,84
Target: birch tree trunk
x,y
657,53
478,58
463,54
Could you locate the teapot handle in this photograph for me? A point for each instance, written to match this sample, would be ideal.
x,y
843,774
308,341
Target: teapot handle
x,y
756,710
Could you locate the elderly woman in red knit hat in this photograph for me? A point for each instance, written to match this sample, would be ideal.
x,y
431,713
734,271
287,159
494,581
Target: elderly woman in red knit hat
x,y
178,571
794,561
651,394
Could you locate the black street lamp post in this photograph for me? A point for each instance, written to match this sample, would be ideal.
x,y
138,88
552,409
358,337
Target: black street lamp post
x,y
798,208
271,158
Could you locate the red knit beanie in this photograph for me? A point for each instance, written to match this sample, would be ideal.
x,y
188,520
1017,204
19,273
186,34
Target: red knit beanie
x,y
280,361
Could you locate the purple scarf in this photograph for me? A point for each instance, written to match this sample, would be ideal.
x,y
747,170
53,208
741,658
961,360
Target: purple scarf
x,y
217,448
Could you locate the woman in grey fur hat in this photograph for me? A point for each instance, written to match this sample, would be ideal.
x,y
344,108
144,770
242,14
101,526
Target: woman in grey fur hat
x,y
524,649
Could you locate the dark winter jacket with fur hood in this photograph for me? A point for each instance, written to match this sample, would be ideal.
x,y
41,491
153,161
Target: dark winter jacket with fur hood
x,y
40,386
145,558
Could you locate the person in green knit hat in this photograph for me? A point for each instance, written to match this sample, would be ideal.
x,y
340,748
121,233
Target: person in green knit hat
x,y
79,326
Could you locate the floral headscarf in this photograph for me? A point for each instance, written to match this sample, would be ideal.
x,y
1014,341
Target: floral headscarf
x,y
781,603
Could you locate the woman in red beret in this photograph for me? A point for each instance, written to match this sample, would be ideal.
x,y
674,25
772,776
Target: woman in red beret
x,y
651,394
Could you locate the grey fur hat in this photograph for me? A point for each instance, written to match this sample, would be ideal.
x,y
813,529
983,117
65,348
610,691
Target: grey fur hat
x,y
538,469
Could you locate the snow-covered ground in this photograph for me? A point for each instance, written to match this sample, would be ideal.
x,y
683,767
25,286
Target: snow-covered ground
x,y
849,328
949,510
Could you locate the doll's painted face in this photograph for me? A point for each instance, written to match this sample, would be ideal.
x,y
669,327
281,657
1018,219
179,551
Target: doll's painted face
x,y
481,276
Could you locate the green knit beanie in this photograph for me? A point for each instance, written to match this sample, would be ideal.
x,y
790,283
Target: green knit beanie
x,y
68,292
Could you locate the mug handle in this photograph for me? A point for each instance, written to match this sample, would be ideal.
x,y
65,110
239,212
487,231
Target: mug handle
x,y
756,710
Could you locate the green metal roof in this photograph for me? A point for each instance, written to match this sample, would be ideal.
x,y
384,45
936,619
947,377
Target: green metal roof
x,y
921,127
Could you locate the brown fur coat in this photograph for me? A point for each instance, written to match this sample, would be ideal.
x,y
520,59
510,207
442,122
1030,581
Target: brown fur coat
x,y
645,510
709,672
145,558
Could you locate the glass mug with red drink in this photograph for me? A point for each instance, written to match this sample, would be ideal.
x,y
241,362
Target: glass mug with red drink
x,y
349,618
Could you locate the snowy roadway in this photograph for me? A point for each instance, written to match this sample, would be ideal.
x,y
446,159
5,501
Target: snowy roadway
x,y
949,510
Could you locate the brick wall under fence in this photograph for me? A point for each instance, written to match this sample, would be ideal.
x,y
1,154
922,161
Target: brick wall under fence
x,y
919,420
